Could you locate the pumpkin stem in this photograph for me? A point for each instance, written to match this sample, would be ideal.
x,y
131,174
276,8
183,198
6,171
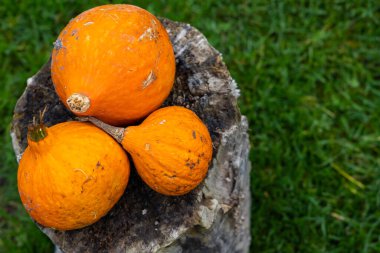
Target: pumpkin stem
x,y
37,131
78,103
116,132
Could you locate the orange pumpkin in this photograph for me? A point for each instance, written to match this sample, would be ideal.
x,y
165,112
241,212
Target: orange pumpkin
x,y
113,62
171,149
71,175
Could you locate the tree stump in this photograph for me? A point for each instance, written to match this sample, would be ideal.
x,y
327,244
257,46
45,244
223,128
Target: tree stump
x,y
215,217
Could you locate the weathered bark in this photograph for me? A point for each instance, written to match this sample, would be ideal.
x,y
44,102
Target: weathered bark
x,y
215,217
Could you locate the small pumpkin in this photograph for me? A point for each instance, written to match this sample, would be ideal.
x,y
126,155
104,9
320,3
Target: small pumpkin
x,y
71,174
171,149
114,62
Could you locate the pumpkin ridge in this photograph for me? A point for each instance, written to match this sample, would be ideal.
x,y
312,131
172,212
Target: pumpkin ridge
x,y
178,179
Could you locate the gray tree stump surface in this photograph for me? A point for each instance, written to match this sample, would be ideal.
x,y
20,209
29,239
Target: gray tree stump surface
x,y
215,217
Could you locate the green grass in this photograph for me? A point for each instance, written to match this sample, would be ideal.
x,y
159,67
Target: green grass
x,y
309,72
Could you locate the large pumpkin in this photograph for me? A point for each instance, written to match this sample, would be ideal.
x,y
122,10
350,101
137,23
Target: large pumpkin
x,y
71,174
113,62
171,149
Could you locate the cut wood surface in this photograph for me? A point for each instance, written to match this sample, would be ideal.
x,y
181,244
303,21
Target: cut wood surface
x,y
215,217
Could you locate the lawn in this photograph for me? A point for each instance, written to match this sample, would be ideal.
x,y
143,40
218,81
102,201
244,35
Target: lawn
x,y
309,74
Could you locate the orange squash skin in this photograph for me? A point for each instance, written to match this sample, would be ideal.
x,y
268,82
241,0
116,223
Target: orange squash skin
x,y
119,57
171,150
73,177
